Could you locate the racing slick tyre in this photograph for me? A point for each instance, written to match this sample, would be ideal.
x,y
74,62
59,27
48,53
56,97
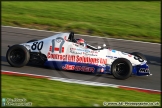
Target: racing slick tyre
x,y
121,68
33,40
17,56
140,55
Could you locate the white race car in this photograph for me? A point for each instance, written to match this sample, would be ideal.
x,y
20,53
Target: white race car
x,y
62,51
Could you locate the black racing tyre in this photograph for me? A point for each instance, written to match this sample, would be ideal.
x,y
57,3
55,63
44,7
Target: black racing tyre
x,y
17,56
140,55
121,68
33,40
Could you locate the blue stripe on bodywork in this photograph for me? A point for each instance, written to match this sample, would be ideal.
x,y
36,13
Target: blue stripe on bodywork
x,y
60,64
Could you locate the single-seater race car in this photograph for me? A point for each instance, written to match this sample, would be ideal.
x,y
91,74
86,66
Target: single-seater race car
x,y
62,51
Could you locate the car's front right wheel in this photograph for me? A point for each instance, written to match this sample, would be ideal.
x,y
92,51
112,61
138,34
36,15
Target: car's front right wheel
x,y
121,68
140,55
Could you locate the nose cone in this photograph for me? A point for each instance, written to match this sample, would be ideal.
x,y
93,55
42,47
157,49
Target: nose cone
x,y
143,70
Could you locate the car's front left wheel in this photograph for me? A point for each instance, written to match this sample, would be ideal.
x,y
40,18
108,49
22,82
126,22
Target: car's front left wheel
x,y
121,68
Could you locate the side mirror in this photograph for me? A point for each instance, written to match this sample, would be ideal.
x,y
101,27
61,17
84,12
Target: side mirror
x,y
104,45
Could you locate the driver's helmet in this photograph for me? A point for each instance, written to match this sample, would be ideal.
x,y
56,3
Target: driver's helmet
x,y
81,42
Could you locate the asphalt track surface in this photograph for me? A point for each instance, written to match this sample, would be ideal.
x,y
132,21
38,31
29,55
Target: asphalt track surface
x,y
11,36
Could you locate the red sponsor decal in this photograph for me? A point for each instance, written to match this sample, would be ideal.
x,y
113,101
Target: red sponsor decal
x,y
48,55
103,61
68,67
56,49
50,49
71,58
78,68
92,69
76,58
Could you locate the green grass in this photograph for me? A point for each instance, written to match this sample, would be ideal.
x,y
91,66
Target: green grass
x,y
43,92
135,20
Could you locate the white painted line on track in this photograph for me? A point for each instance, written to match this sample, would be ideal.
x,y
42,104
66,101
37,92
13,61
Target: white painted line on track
x,y
82,35
81,81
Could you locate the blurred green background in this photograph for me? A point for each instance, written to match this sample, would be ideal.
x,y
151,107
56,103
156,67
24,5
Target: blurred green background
x,y
135,20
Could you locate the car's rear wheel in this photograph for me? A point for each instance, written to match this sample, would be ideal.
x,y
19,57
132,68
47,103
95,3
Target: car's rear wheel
x,y
17,55
121,68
